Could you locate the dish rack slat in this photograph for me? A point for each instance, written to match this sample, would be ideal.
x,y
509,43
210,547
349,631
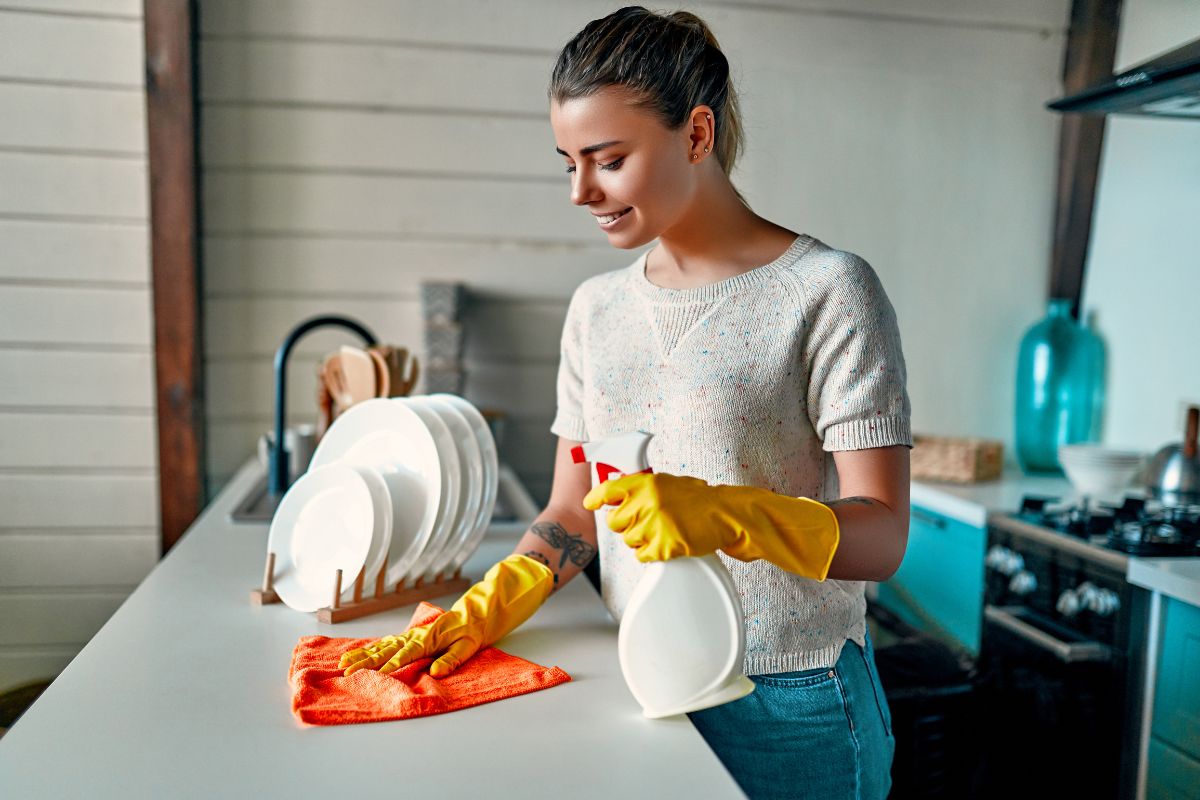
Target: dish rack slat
x,y
380,600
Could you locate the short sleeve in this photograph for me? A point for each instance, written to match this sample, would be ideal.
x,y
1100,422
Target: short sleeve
x,y
568,417
856,392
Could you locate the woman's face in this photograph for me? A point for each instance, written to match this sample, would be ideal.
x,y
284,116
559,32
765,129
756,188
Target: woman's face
x,y
645,172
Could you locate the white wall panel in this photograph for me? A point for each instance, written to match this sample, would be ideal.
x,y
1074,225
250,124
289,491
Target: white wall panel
x,y
355,74
77,439
48,47
85,186
58,500
317,267
73,118
60,379
64,315
480,23
73,558
452,208
123,8
59,251
78,455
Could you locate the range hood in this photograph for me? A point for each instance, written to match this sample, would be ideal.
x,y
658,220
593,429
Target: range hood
x,y
1166,86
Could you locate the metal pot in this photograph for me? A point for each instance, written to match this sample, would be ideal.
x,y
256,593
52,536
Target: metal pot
x,y
1173,474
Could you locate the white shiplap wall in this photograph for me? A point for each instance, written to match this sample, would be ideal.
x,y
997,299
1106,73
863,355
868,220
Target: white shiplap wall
x,y
352,149
78,493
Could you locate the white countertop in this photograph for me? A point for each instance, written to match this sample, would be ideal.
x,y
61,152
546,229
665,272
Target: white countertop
x,y
1174,577
970,503
184,693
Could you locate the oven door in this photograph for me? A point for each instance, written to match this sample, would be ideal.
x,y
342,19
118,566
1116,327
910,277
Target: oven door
x,y
1052,704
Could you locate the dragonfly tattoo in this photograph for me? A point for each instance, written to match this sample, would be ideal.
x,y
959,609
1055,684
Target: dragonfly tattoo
x,y
572,546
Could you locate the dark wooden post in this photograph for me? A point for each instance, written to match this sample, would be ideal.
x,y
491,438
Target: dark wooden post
x,y
175,262
1090,54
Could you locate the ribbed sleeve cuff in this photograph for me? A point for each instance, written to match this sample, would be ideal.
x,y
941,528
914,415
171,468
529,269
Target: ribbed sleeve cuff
x,y
861,434
568,426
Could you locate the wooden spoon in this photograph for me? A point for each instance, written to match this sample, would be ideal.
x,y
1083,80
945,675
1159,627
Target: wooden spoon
x,y
383,374
358,370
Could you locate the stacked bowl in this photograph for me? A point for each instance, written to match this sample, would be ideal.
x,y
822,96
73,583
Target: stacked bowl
x,y
402,487
1097,471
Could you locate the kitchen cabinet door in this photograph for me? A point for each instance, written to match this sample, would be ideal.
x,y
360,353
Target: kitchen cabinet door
x,y
1171,775
939,586
1177,687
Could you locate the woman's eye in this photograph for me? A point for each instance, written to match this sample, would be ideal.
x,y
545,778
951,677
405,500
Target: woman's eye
x,y
610,166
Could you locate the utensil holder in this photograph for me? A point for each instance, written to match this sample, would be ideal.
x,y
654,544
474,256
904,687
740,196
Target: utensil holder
x,y
380,600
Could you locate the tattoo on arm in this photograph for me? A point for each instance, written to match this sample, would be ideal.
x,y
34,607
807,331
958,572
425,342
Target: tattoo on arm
x,y
572,545
845,501
535,555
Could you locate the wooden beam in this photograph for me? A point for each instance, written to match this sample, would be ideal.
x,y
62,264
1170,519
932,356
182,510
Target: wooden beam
x,y
1090,55
175,260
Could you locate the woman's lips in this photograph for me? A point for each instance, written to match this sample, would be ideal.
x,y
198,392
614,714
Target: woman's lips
x,y
614,222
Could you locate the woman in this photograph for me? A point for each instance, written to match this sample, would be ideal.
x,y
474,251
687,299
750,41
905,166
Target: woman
x,y
750,352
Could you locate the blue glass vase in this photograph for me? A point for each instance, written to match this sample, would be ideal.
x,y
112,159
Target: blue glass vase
x,y
1060,388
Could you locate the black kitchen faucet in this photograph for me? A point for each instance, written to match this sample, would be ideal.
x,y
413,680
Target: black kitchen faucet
x,y
278,478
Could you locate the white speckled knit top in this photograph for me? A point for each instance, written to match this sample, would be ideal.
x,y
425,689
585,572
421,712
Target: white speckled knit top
x,y
748,381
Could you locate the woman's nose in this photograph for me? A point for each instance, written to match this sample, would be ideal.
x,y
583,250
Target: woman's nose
x,y
583,190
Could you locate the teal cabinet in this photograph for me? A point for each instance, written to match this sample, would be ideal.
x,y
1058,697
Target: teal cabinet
x,y
939,586
1171,775
1173,768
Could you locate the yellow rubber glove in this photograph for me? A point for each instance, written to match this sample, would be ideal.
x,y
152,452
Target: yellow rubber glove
x,y
664,516
509,594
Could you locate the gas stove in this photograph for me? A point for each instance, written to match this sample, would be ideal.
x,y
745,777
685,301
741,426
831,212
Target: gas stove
x,y
1139,526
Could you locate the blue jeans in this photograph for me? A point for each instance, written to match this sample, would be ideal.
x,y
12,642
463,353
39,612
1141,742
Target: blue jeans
x,y
819,733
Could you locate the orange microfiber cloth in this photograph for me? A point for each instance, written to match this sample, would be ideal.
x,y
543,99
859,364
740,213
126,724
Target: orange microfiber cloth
x,y
322,695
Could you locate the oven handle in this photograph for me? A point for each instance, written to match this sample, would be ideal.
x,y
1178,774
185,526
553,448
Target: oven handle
x,y
1064,651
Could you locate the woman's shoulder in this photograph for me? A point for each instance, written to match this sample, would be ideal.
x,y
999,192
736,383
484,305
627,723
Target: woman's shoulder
x,y
602,284
823,269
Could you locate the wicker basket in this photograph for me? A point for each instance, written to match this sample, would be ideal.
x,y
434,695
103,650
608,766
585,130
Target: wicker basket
x,y
956,460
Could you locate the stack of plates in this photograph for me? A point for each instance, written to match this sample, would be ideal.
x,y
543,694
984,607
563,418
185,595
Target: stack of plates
x,y
1096,471
403,485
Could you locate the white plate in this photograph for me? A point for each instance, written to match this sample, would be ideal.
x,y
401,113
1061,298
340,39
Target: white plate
x,y
393,439
471,467
451,483
324,523
381,537
490,461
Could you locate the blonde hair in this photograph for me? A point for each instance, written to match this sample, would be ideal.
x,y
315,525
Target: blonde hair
x,y
668,63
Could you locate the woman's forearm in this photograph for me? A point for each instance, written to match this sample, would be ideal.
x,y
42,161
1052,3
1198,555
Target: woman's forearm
x,y
872,539
566,543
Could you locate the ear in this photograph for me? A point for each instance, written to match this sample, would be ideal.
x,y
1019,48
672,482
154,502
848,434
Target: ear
x,y
703,133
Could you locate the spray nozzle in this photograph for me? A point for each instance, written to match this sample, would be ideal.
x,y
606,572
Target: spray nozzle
x,y
624,454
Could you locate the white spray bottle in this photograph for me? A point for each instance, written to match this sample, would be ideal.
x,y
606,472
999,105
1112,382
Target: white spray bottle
x,y
682,637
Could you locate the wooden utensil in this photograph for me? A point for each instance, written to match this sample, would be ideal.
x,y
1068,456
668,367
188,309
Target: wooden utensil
x,y
383,374
403,383
358,370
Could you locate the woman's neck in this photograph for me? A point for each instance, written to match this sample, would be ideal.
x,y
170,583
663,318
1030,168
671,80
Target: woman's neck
x,y
721,239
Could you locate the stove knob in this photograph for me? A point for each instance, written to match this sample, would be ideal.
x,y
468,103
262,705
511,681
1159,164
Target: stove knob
x,y
1068,603
1004,561
1102,602
1023,582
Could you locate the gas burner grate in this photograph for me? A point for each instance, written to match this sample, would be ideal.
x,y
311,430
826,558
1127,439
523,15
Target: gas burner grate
x,y
1136,526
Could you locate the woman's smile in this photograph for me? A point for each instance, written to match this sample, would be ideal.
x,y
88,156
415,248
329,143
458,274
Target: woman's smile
x,y
610,221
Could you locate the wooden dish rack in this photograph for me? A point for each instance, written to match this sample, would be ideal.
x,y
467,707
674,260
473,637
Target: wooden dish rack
x,y
381,600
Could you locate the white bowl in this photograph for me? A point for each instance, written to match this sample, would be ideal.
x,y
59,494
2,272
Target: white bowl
x,y
1096,471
